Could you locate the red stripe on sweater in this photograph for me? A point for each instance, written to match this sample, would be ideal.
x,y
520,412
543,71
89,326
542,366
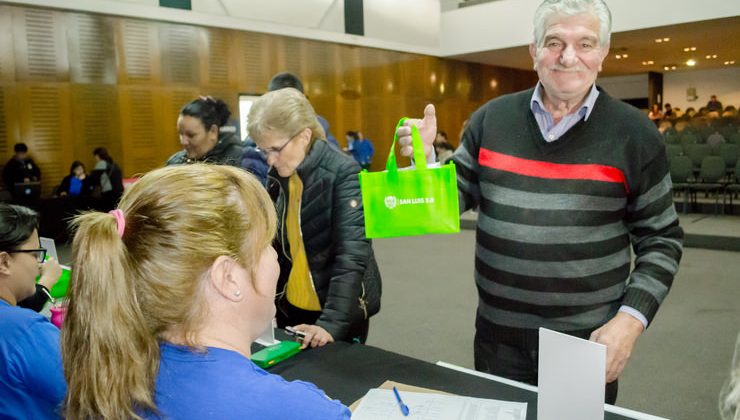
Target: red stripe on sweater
x,y
539,169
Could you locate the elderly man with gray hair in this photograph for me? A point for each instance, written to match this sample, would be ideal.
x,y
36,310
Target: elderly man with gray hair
x,y
570,182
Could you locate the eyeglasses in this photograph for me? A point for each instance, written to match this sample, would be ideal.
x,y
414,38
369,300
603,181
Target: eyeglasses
x,y
40,253
275,150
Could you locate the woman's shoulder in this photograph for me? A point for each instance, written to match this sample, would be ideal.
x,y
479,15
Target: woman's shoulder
x,y
242,386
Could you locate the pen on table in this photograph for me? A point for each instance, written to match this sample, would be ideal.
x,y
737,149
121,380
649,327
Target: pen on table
x,y
404,408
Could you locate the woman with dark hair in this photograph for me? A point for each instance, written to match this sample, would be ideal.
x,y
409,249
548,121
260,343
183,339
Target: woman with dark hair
x,y
205,135
31,380
108,176
73,185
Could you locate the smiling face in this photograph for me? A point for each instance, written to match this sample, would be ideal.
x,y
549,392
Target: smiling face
x,y
195,139
569,58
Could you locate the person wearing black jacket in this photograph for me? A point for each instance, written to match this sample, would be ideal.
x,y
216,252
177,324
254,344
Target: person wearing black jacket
x,y
205,135
20,169
106,176
329,281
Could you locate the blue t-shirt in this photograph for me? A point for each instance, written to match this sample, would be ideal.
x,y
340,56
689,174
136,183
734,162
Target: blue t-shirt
x,y
75,186
32,382
223,384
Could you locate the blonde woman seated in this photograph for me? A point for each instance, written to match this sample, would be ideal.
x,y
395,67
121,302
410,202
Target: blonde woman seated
x,y
199,235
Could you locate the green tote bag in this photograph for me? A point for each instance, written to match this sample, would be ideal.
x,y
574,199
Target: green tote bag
x,y
410,202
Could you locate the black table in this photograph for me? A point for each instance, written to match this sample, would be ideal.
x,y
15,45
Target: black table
x,y
347,371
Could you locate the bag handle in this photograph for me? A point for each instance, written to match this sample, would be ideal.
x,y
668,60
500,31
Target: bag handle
x,y
419,159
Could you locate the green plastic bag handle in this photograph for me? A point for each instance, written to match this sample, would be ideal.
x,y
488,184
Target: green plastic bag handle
x,y
419,159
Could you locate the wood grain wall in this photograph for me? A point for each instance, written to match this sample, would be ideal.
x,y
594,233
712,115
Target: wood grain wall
x,y
70,82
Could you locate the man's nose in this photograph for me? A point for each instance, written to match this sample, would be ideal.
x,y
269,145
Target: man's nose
x,y
568,56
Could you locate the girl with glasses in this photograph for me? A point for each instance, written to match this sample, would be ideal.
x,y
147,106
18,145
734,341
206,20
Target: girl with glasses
x,y
31,378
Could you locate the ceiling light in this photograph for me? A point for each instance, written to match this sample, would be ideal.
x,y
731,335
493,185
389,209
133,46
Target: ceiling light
x,y
686,49
673,67
618,56
659,40
666,39
727,63
625,55
690,62
666,68
651,62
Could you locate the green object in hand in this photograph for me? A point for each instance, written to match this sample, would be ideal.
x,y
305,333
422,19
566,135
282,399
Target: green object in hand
x,y
410,202
59,289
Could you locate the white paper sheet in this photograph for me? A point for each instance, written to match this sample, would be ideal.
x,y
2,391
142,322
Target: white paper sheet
x,y
381,404
50,246
572,378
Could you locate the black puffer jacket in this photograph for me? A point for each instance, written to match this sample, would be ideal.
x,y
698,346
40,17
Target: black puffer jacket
x,y
340,258
227,151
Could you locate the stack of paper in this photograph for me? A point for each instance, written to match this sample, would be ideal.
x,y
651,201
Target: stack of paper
x,y
380,404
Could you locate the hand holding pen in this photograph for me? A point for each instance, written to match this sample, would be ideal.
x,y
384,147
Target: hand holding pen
x,y
313,335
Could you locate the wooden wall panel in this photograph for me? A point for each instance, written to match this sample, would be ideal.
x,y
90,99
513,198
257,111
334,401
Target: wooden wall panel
x,y
256,61
95,121
179,49
216,49
137,43
70,82
8,133
7,57
91,49
40,45
45,127
141,129
289,54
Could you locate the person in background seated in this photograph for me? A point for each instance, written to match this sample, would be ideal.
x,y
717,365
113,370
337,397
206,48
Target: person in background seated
x,y
205,135
668,113
655,114
31,379
108,177
168,293
74,185
713,105
329,281
20,169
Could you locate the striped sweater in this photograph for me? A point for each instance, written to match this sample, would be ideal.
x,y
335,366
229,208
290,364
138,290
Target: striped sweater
x,y
559,221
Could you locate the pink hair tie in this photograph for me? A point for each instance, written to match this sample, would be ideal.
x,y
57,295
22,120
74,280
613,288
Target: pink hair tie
x,y
120,221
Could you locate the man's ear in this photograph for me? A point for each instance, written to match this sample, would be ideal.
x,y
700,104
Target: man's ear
x,y
222,277
604,54
4,263
533,54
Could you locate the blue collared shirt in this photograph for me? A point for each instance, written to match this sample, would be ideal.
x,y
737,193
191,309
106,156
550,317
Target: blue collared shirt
x,y
551,132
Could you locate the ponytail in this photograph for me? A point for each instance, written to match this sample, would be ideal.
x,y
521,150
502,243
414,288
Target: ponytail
x,y
210,111
110,356
146,284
